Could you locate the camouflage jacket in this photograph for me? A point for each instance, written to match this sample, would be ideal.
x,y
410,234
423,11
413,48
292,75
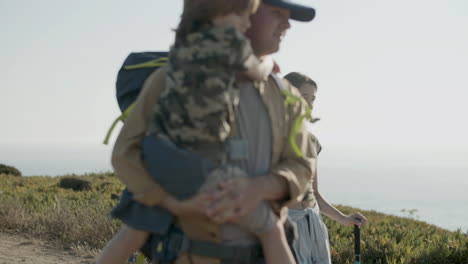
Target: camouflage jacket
x,y
197,106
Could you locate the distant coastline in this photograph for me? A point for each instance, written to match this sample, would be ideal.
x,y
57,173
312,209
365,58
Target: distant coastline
x,y
346,176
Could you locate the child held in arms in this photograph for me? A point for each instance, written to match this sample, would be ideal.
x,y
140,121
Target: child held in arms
x,y
197,109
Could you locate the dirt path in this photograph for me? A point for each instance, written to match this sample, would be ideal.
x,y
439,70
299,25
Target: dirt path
x,y
16,249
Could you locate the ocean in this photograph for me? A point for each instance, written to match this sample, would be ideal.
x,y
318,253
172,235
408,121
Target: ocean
x,y
431,182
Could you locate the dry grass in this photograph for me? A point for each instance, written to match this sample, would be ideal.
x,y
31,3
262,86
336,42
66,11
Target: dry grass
x,y
79,221
38,207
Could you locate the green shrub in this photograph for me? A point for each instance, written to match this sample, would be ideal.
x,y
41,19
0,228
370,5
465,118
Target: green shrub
x,y
75,184
38,207
388,239
9,170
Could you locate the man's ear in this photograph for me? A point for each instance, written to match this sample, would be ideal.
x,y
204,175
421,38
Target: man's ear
x,y
276,67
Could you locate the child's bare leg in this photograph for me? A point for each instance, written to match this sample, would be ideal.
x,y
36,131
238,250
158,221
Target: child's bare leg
x,y
275,245
122,246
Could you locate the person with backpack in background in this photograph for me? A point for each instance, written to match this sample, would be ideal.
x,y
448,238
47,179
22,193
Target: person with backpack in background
x,y
312,245
274,150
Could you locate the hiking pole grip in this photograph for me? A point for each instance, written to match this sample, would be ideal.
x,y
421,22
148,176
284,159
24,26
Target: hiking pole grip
x,y
357,245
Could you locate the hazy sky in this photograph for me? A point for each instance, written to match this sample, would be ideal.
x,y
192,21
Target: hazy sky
x,y
389,72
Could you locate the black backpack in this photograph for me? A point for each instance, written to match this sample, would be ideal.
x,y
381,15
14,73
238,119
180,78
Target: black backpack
x,y
136,68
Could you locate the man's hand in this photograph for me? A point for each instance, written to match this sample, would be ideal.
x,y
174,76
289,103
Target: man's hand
x,y
193,207
236,197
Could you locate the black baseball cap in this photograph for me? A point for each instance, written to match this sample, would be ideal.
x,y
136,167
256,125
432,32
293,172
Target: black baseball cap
x,y
299,12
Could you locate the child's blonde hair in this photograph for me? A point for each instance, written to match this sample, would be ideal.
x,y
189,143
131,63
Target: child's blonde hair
x,y
200,12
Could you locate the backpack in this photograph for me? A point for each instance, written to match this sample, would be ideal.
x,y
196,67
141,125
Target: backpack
x,y
136,68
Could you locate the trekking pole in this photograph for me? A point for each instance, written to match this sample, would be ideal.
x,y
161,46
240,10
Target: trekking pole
x,y
357,244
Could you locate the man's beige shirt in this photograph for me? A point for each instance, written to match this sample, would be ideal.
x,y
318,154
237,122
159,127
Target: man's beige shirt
x,y
129,168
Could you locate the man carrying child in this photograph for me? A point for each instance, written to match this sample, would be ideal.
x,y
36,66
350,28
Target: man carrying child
x,y
278,161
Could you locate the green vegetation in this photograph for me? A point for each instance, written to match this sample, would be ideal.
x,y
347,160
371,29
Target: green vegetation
x,y
393,240
39,207
75,184
9,170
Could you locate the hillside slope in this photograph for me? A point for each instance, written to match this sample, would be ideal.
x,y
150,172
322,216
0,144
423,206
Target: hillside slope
x,y
74,214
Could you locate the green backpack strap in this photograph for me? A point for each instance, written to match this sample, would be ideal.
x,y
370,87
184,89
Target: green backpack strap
x,y
137,67
292,99
122,118
156,63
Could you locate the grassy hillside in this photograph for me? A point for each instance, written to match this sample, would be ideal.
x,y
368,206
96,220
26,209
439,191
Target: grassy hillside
x,y
42,207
